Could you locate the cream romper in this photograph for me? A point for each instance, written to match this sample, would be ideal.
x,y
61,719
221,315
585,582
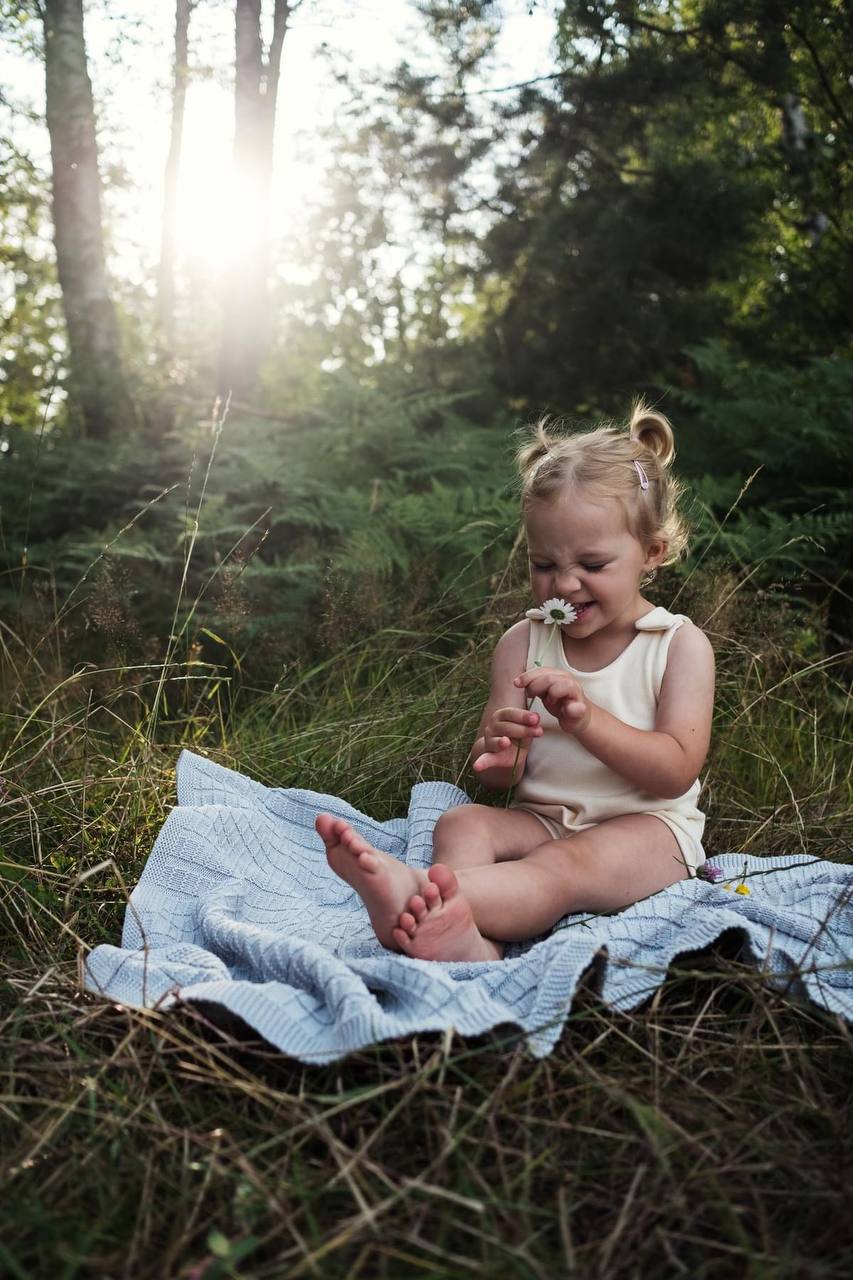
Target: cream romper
x,y
568,788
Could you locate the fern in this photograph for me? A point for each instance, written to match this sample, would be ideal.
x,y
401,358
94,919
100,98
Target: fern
x,y
383,508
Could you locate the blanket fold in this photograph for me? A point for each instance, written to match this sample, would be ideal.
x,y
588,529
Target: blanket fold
x,y
238,907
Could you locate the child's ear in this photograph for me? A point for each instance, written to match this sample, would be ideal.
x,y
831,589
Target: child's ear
x,y
655,553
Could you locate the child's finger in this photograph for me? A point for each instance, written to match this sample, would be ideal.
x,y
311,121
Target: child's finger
x,y
520,732
571,713
515,732
512,722
526,678
516,715
543,683
493,759
557,695
519,740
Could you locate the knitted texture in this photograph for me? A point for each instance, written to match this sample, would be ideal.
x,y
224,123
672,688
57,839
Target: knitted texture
x,y
238,907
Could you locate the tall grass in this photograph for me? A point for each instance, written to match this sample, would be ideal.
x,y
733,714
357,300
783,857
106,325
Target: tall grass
x,y
705,1134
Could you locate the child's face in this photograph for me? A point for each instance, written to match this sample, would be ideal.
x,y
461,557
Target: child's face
x,y
581,550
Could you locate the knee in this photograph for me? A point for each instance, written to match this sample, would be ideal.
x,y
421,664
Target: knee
x,y
466,820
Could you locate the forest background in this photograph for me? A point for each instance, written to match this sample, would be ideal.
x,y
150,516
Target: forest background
x,y
663,208
258,406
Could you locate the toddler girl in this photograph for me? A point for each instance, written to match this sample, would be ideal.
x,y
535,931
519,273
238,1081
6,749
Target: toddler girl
x,y
603,722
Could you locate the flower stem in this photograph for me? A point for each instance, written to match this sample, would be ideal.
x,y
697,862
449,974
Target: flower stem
x,y
512,777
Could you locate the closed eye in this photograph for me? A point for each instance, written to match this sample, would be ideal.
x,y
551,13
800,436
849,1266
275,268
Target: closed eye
x,y
541,567
593,568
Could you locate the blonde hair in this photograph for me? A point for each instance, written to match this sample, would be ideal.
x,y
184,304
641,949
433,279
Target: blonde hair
x,y
602,461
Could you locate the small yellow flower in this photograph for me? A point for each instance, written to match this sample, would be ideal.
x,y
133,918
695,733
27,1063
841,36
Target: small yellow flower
x,y
727,887
742,888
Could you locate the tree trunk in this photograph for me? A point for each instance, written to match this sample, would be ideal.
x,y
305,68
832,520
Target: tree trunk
x,y
166,270
246,320
97,388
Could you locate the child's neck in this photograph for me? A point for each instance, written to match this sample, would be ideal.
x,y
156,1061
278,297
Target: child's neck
x,y
603,647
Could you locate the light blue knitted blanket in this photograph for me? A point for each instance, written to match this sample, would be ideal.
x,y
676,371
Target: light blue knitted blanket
x,y
238,907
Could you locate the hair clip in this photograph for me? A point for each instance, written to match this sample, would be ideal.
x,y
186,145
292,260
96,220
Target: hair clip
x,y
644,479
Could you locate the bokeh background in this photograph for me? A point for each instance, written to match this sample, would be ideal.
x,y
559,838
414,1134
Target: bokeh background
x,y
320,261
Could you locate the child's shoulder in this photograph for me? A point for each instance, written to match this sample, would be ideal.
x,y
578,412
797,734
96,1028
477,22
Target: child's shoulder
x,y
690,641
661,619
514,644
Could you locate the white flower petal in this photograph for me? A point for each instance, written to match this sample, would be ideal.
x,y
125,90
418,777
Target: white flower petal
x,y
559,611
555,611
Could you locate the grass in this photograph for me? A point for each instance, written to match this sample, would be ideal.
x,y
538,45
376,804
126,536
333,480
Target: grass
x,y
707,1133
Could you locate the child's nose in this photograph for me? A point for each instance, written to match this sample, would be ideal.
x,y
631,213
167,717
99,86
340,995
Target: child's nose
x,y
567,583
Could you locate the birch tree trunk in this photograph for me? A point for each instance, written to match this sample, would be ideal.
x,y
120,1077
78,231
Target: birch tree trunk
x,y
166,269
97,388
246,325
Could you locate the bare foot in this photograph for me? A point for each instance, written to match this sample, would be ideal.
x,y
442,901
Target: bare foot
x,y
438,925
383,883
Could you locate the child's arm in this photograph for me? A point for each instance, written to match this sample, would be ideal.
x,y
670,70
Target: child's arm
x,y
664,761
506,726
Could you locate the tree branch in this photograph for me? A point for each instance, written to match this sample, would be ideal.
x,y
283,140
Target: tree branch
x,y
677,32
506,88
824,79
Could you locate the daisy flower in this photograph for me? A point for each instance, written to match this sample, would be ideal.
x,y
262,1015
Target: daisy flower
x,y
552,612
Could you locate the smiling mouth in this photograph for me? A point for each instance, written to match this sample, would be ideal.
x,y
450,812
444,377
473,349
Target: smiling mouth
x,y
581,609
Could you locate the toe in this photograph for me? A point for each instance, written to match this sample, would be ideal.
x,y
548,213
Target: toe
x,y
408,923
432,896
323,824
444,879
357,844
401,939
417,906
351,838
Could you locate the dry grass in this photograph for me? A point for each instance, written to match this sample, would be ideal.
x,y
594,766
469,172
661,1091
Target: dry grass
x,y
706,1134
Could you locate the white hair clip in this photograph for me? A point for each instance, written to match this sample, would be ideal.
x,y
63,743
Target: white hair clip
x,y
539,464
644,479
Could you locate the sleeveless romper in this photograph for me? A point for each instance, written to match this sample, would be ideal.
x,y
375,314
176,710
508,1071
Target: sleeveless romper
x,y
567,787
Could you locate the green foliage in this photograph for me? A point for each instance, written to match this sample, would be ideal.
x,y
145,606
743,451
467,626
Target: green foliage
x,y
640,198
31,348
300,534
687,173
362,518
774,490
783,431
391,248
794,422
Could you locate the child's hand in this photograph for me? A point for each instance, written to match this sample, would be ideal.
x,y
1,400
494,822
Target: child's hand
x,y
561,694
507,736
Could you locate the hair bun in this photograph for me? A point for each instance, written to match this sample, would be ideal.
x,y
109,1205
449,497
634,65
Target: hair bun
x,y
530,455
653,431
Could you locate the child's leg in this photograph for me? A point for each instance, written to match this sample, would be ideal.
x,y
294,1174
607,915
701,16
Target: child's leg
x,y
385,884
475,835
606,867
